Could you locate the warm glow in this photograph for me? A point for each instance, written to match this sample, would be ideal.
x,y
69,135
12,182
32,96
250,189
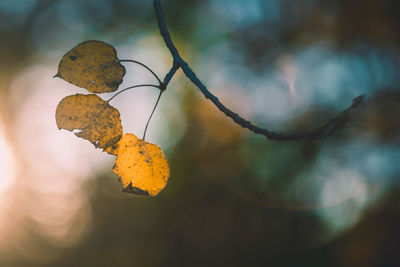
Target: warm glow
x,y
8,169
50,198
7,163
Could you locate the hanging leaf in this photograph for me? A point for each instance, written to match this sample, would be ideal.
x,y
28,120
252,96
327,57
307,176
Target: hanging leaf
x,y
92,65
97,121
141,166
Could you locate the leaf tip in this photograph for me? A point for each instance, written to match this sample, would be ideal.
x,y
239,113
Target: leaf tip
x,y
135,190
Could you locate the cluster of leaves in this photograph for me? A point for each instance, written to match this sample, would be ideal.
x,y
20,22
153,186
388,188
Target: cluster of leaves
x,y
93,65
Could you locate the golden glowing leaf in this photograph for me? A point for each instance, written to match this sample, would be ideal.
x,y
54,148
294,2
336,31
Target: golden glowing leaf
x,y
99,122
92,65
141,166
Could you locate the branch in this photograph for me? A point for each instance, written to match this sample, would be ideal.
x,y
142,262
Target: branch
x,y
170,74
321,132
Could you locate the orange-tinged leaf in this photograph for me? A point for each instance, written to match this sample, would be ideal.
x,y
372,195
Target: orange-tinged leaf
x,y
92,65
141,166
99,122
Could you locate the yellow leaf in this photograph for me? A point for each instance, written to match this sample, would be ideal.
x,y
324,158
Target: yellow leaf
x,y
141,166
99,122
92,65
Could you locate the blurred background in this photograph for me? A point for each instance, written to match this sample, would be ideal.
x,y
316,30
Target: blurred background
x,y
234,198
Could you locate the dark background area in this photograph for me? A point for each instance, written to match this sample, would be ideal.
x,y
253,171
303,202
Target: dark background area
x,y
233,198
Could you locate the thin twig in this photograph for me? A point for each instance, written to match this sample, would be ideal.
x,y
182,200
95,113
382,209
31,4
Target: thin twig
x,y
170,74
151,115
326,130
132,87
143,65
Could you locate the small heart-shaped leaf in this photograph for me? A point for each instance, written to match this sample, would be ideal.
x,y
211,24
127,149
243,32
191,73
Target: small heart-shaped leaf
x,y
92,65
141,166
99,122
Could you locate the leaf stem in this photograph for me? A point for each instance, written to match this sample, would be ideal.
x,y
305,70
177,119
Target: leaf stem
x,y
132,87
151,115
143,65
